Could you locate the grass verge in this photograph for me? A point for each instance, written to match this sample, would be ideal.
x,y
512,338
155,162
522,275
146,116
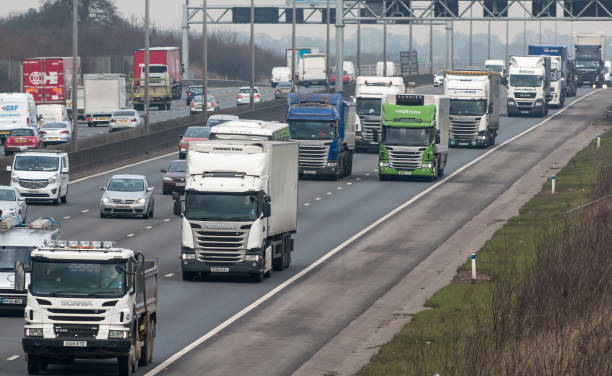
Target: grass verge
x,y
543,300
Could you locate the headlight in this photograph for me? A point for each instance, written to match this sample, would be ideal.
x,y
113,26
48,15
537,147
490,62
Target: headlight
x,y
118,334
252,258
426,165
12,210
167,178
141,201
188,256
106,200
15,179
332,164
384,164
33,332
52,179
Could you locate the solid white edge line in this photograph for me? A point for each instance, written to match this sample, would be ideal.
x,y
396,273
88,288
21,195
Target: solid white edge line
x,y
331,253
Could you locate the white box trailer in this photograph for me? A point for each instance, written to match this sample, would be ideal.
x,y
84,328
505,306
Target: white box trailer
x,y
313,69
240,207
104,94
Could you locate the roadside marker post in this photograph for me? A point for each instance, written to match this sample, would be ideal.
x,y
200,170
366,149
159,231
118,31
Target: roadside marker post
x,y
473,267
598,140
553,184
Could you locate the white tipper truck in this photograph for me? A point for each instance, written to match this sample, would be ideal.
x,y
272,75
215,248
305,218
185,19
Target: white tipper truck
x,y
240,208
529,85
104,94
90,299
475,105
16,242
369,93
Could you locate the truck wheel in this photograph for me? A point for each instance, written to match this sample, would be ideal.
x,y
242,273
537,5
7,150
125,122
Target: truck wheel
x,y
188,276
146,353
124,364
257,277
349,170
34,364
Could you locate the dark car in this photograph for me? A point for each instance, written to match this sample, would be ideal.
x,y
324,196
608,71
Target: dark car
x,y
192,91
282,90
174,178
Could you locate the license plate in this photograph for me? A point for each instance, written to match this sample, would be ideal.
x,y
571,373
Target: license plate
x,y
11,301
405,173
124,121
218,269
307,172
462,143
180,184
21,141
101,119
5,132
75,343
53,138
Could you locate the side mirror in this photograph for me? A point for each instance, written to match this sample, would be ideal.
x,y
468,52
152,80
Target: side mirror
x,y
101,188
9,168
163,170
491,108
267,209
176,196
65,171
267,198
178,207
180,137
437,137
150,189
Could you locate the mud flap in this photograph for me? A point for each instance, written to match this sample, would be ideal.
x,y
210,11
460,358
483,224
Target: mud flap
x,y
268,259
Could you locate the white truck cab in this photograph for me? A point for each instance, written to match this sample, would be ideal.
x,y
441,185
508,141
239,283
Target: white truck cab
x,y
498,66
255,130
41,175
529,85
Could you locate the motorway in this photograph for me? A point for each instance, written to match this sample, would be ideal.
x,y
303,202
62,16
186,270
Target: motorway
x,y
329,214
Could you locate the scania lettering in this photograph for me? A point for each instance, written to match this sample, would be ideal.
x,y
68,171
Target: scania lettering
x,y
240,208
475,104
414,134
529,85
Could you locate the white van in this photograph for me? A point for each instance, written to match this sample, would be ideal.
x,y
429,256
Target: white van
x,y
349,68
280,74
313,69
17,110
51,112
608,72
41,176
380,71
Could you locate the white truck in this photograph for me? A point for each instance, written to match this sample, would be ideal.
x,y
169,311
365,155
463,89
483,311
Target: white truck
x,y
240,208
380,69
529,85
17,240
557,83
498,66
90,299
80,104
475,105
313,69
104,94
369,93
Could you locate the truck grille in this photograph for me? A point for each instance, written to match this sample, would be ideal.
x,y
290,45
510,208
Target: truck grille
x,y
120,201
82,315
312,156
406,159
75,331
465,129
33,184
369,127
220,246
524,95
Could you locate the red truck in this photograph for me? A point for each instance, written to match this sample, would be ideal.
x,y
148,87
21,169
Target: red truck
x,y
49,79
165,72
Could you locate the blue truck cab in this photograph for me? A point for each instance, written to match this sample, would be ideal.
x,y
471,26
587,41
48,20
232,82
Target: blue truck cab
x,y
323,126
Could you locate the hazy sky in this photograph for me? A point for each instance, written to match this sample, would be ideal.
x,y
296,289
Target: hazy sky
x,y
166,14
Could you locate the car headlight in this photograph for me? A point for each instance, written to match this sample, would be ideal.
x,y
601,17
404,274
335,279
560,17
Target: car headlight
x,y
12,210
106,200
33,332
384,164
167,178
141,201
15,179
332,164
52,179
189,256
426,165
118,334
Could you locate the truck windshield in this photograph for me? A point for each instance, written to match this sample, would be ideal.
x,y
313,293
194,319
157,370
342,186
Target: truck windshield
x,y
468,107
312,130
494,68
400,136
587,64
9,255
78,278
220,207
525,80
368,106
36,163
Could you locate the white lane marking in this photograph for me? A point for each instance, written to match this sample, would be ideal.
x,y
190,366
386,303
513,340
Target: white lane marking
x,y
84,211
12,357
359,178
163,365
167,220
328,193
130,235
307,204
339,188
349,183
169,275
148,227
375,170
367,174
67,217
318,198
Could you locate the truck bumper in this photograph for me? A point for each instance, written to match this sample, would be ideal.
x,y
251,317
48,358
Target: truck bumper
x,y
244,267
426,172
95,348
520,107
12,301
366,145
325,171
473,143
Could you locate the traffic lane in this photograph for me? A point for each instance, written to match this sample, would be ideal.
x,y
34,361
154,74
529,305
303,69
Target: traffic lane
x,y
358,203
356,277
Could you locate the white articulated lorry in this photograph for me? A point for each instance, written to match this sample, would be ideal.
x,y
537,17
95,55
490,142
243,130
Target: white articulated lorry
x,y
90,300
369,93
104,94
529,85
240,207
475,105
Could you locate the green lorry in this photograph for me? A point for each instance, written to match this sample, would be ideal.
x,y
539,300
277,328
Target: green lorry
x,y
414,136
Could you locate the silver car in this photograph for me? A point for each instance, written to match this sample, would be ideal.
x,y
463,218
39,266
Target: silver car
x,y
196,104
124,119
220,119
12,203
127,195
55,132
244,95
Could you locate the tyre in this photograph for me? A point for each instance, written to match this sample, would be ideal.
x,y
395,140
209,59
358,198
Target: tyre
x,y
125,365
257,277
146,354
165,193
382,177
34,364
56,201
188,276
7,153
90,125
102,215
64,198
349,170
151,212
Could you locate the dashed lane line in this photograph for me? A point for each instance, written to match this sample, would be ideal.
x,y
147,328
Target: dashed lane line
x,y
12,357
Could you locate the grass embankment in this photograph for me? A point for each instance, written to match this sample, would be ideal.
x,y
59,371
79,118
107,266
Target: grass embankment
x,y
542,304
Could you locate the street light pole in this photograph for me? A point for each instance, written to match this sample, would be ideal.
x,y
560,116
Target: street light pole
x,y
384,38
293,48
359,42
75,79
327,65
146,87
252,41
204,62
339,43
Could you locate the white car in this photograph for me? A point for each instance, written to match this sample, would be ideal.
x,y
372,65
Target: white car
x,y
244,95
196,104
12,203
55,132
220,119
438,79
124,119
41,176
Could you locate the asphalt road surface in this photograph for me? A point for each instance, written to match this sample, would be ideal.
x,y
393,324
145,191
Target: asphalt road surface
x,y
298,321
